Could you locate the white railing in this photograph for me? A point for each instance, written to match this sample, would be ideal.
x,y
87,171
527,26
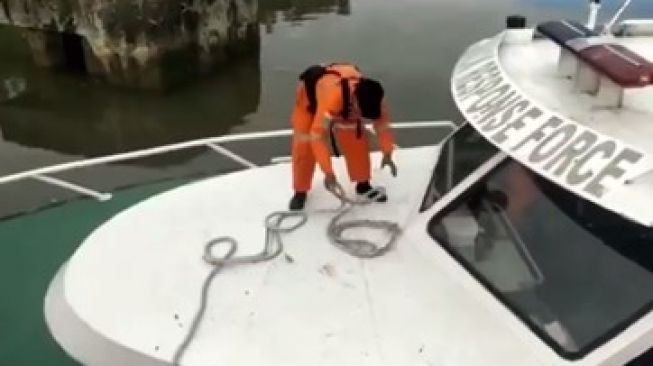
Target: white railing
x,y
608,26
213,143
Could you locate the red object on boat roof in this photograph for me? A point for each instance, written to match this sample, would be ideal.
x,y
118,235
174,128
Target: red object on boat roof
x,y
618,63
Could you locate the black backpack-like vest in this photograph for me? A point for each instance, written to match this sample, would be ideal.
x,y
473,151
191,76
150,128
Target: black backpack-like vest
x,y
312,75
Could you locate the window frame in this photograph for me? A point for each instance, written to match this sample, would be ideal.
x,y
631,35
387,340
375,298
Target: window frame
x,y
473,173
461,192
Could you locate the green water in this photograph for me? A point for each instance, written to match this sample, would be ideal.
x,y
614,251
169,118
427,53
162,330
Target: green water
x,y
33,247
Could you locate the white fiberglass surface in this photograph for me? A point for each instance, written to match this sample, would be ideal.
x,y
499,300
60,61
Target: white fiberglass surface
x,y
137,280
532,67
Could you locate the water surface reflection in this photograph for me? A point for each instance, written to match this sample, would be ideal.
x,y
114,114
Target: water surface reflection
x,y
410,45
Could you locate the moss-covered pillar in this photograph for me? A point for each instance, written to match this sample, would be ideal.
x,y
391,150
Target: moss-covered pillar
x,y
154,44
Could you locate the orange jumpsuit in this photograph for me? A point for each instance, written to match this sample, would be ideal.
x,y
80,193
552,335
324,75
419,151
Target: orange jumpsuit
x,y
311,131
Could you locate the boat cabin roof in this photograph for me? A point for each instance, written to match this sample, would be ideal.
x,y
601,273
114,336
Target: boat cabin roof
x,y
575,110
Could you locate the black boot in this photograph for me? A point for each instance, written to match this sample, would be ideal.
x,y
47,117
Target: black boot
x,y
297,202
365,189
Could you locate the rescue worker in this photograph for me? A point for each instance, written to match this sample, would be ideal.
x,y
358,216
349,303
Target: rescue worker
x,y
330,104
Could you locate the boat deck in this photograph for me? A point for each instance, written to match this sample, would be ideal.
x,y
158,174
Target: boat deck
x,y
42,234
136,282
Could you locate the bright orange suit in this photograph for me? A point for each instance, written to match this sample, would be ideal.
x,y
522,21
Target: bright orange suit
x,y
311,130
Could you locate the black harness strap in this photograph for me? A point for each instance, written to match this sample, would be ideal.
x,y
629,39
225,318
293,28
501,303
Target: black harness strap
x,y
359,129
332,139
311,76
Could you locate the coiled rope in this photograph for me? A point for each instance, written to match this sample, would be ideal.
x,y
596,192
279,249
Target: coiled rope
x,y
360,248
274,228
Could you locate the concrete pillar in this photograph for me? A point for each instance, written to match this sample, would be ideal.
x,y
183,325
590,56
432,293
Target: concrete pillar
x,y
93,65
156,44
344,7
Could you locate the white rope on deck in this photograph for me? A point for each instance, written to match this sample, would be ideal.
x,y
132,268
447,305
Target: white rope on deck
x,y
274,228
273,247
360,248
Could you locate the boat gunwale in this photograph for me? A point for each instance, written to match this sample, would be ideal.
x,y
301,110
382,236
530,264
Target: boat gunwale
x,y
43,174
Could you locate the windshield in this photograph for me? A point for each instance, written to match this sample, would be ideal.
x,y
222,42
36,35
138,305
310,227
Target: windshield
x,y
574,272
462,153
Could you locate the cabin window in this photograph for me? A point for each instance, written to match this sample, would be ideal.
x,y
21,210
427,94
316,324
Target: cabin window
x,y
645,359
576,273
463,152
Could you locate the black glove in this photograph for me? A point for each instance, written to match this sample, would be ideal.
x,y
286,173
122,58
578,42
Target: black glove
x,y
330,183
387,161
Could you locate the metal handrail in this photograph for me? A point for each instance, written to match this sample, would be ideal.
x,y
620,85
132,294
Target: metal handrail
x,y
41,174
608,26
